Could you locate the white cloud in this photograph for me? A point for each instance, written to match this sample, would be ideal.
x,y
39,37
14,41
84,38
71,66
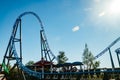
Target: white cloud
x,y
101,14
76,28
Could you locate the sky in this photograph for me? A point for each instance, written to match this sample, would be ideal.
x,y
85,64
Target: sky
x,y
68,24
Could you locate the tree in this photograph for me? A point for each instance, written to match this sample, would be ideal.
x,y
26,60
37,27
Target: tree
x,y
96,64
89,60
61,57
29,63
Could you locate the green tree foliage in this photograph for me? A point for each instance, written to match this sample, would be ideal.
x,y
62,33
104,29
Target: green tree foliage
x,y
96,64
29,63
6,68
61,57
89,60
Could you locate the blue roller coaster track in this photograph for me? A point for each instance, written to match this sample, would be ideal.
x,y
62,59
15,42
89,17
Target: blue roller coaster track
x,y
11,52
108,49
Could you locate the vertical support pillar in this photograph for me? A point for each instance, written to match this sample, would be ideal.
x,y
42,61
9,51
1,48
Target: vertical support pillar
x,y
41,43
118,58
42,72
112,63
20,42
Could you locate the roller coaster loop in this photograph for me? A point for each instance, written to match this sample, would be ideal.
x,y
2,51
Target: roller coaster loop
x,y
12,54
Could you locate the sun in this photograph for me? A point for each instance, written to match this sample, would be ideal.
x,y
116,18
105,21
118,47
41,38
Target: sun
x,y
114,7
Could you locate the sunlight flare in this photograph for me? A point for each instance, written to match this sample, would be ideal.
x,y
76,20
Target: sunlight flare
x,y
114,7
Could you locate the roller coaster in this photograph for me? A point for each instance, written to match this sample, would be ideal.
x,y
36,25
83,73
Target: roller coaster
x,y
11,54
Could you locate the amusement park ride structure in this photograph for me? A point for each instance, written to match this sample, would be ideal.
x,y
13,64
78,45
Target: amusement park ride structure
x,y
11,53
108,49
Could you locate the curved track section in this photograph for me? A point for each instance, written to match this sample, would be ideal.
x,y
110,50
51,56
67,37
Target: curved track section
x,y
44,42
23,68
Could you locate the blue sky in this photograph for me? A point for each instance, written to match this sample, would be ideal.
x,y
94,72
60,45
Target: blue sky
x,y
69,24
